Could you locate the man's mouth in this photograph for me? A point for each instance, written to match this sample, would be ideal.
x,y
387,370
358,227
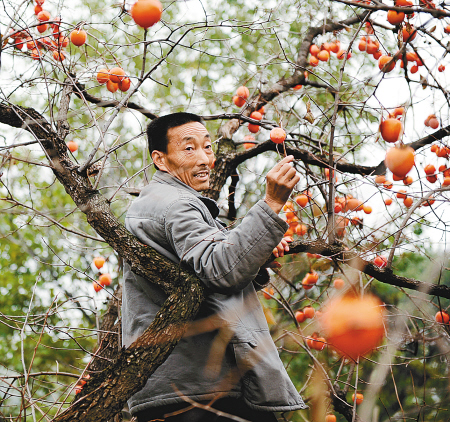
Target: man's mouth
x,y
202,174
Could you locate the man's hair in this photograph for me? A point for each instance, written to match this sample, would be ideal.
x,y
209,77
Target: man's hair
x,y
158,128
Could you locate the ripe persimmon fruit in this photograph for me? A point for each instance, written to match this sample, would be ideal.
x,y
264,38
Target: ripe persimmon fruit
x,y
42,28
313,61
442,317
44,16
380,261
112,86
330,418
300,316
124,84
353,325
338,283
277,135
146,13
395,18
302,200
253,128
314,50
400,160
97,286
238,101
391,129
105,279
243,92
99,261
388,201
78,37
359,398
268,293
103,76
386,63
116,74
309,312
407,202
72,145
323,55
256,115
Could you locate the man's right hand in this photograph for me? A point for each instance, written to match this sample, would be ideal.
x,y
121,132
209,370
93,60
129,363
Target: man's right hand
x,y
280,181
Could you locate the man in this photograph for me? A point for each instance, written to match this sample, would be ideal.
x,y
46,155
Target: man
x,y
227,357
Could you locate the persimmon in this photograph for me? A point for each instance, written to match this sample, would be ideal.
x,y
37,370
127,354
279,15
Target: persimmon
x,y
403,3
407,180
391,129
302,200
238,101
433,123
63,41
340,224
377,55
330,418
97,286
334,46
408,33
268,293
432,179
256,115
442,317
367,209
429,169
314,50
288,206
400,160
353,204
248,145
117,74
301,230
313,61
99,261
42,28
289,232
243,92
380,261
78,37
261,110
362,44
58,56
112,86
37,9
353,325
297,87
72,145
386,63
446,181
388,201
319,343
146,13
338,283
441,68
253,128
388,184
398,111
407,202
43,16
105,279
124,84
447,29
342,53
337,208
380,179
414,69
277,135
300,316
323,55
395,18
35,55
401,194
359,398
103,76
309,312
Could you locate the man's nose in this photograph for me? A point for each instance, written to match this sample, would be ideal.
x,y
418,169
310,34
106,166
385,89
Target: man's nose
x,y
202,157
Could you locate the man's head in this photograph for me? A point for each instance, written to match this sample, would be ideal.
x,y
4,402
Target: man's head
x,y
181,146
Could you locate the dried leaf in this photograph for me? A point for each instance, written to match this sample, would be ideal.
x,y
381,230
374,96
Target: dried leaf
x,y
309,117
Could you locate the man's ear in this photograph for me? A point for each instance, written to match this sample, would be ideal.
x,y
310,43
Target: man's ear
x,y
158,158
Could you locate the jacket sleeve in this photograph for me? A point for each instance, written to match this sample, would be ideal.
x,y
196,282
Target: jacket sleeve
x,y
226,261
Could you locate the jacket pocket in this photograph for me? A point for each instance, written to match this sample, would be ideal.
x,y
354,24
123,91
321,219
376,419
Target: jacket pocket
x,y
264,379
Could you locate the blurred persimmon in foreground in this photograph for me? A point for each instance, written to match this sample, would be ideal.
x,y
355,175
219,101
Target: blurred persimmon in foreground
x,y
353,325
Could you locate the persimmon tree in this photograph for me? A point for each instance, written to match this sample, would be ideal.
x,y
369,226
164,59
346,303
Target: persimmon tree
x,y
342,78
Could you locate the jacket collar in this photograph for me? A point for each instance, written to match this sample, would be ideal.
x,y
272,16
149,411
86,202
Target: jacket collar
x,y
163,177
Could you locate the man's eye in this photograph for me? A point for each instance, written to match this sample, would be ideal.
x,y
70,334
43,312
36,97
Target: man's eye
x,y
189,148
208,146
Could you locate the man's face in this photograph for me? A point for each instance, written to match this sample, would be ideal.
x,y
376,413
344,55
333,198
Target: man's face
x,y
189,155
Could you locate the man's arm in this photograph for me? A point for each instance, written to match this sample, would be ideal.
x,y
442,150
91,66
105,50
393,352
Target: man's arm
x,y
227,261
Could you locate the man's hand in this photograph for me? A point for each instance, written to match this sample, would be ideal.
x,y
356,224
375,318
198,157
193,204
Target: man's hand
x,y
279,183
281,248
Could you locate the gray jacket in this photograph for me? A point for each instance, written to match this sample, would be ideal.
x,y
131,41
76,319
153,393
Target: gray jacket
x,y
228,349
